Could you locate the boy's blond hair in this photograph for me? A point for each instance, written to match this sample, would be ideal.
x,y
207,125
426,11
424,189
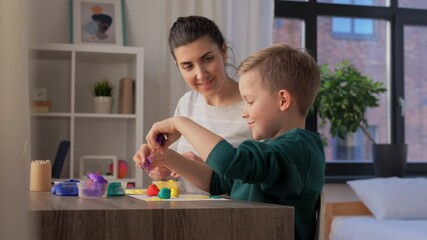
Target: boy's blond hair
x,y
284,67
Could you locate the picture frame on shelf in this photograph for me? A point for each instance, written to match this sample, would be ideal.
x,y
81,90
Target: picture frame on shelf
x,y
97,22
100,165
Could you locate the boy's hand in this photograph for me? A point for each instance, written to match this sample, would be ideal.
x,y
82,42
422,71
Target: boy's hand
x,y
192,156
189,155
165,127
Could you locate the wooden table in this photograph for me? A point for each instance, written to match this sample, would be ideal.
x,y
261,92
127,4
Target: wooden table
x,y
126,218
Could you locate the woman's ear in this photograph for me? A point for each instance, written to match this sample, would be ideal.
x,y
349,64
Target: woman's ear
x,y
285,98
224,52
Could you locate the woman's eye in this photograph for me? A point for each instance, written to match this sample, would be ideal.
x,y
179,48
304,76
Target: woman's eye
x,y
208,58
187,67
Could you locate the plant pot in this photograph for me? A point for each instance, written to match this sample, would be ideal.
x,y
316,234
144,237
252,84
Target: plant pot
x,y
389,159
103,104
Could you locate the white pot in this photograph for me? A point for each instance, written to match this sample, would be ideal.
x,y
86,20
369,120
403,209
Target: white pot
x,y
103,104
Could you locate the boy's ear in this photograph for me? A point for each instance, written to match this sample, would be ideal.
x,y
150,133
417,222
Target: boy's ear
x,y
285,98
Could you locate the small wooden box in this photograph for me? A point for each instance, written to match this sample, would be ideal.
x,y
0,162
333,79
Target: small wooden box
x,y
41,106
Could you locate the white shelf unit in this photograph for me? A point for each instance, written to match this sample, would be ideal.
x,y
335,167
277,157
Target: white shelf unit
x,y
67,71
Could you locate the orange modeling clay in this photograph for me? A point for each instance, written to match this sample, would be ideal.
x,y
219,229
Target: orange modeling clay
x,y
152,190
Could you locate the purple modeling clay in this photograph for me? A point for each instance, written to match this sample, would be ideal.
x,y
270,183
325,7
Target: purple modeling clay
x,y
96,178
160,138
147,164
96,190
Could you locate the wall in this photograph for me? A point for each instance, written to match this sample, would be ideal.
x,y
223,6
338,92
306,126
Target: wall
x,y
146,27
148,23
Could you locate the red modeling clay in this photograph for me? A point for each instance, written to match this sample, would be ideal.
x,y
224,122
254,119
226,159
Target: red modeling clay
x,y
152,190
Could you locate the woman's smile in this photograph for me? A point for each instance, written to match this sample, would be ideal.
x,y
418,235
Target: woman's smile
x,y
205,84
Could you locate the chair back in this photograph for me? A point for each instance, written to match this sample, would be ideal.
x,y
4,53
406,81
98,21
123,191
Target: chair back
x,y
320,217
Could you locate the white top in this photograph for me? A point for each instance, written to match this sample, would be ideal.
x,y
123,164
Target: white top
x,y
224,121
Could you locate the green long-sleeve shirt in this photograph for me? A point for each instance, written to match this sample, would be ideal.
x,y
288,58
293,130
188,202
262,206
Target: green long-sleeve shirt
x,y
288,170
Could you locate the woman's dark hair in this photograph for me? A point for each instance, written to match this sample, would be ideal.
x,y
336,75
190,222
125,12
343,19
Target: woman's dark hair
x,y
188,29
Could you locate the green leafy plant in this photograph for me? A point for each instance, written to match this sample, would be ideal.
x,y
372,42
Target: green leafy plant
x,y
344,97
103,88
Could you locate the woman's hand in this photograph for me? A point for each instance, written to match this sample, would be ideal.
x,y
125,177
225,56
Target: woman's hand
x,y
141,155
145,156
166,127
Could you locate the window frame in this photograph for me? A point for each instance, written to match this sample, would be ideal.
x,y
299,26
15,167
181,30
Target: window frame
x,y
309,11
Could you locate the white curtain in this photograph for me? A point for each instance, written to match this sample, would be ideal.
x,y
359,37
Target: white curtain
x,y
246,24
14,121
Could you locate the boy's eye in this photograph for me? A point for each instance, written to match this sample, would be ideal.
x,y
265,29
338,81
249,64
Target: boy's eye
x,y
249,102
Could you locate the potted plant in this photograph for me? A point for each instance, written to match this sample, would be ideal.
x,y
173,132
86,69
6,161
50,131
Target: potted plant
x,y
102,92
344,97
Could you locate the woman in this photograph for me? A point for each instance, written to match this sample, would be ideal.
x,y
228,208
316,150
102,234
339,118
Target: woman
x,y
200,53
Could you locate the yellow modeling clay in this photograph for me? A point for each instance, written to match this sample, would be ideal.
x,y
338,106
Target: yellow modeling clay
x,y
135,191
174,192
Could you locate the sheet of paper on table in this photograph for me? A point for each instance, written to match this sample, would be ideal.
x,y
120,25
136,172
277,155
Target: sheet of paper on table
x,y
141,194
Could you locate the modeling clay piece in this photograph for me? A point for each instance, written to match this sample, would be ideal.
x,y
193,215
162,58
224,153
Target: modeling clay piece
x,y
160,138
165,193
96,178
167,184
174,192
147,164
66,188
172,184
98,188
152,190
115,189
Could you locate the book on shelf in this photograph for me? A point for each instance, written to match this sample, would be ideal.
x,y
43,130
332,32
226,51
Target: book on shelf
x,y
126,98
63,147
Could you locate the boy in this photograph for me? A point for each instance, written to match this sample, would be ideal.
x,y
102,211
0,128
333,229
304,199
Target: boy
x,y
278,85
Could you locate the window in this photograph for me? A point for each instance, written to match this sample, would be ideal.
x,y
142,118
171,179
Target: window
x,y
355,147
359,2
413,4
415,100
333,30
353,28
289,30
370,58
